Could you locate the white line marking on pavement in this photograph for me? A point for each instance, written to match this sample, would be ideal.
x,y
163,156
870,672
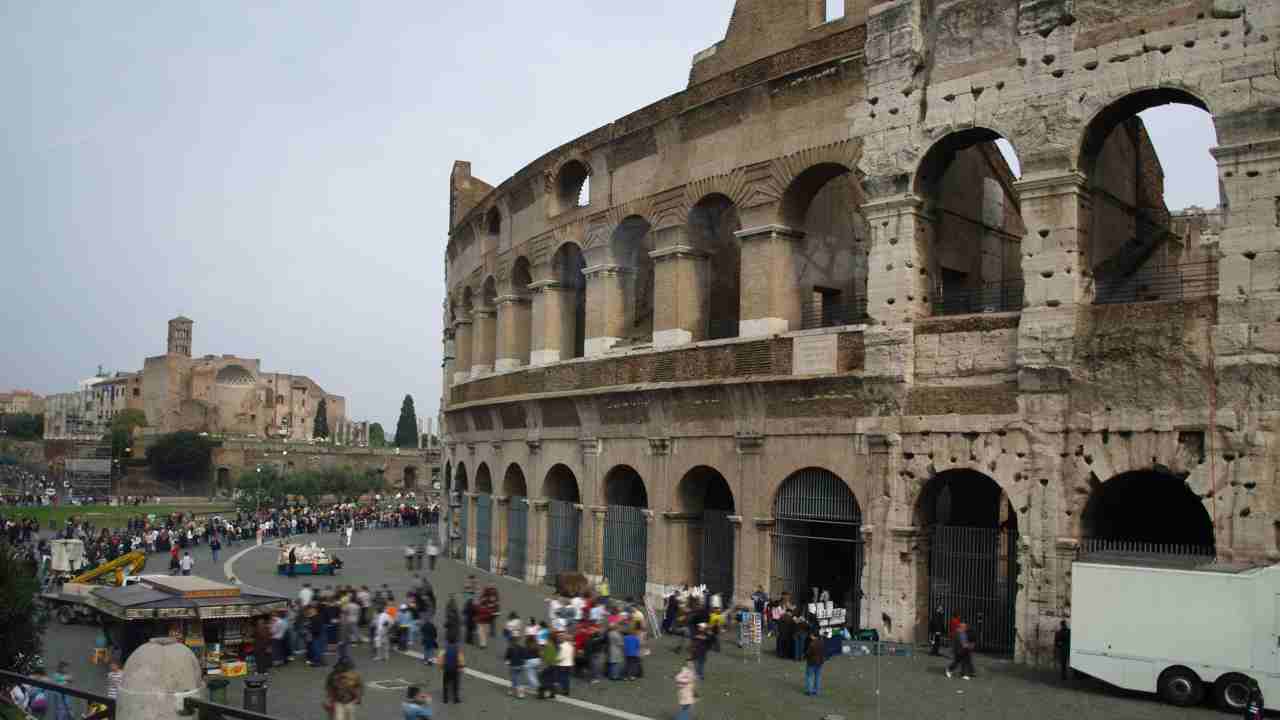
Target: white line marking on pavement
x,y
503,682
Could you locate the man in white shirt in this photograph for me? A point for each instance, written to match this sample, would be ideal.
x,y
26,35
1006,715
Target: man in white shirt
x,y
306,594
381,636
350,529
553,610
187,563
577,603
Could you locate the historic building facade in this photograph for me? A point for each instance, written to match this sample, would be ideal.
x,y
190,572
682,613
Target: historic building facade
x,y
802,325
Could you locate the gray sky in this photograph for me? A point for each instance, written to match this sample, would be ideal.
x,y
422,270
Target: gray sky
x,y
279,171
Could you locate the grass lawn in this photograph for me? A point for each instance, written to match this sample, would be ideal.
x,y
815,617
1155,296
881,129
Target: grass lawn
x,y
106,515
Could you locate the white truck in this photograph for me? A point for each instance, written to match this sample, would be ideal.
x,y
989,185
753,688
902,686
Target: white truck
x,y
1179,632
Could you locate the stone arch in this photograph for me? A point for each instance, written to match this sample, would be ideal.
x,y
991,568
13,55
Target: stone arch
x,y
513,482
560,483
971,224
703,528
629,246
468,302
824,202
518,337
979,505
1132,234
484,481
703,488
409,478
572,184
817,540
712,226
566,267
493,222
623,486
448,475
1150,507
223,480
460,480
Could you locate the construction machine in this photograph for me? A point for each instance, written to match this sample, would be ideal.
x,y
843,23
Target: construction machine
x,y
71,605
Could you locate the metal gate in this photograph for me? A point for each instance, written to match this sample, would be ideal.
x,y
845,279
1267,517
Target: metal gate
x,y
715,568
484,532
973,573
817,542
626,550
458,508
517,536
563,522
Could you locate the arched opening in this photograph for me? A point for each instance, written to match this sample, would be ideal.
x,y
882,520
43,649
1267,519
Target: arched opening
x,y
1119,516
567,266
459,513
973,227
817,544
831,272
972,556
410,479
484,518
564,520
516,490
626,533
710,535
1154,193
521,316
630,247
493,227
574,186
712,224
223,486
486,328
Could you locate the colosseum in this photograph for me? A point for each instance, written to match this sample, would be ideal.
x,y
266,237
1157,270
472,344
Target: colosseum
x,y
803,326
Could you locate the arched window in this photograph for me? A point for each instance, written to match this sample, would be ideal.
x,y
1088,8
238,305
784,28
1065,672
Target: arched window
x,y
712,224
567,266
630,246
573,186
824,202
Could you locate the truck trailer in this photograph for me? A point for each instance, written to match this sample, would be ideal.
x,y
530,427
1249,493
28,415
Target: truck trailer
x,y
1178,632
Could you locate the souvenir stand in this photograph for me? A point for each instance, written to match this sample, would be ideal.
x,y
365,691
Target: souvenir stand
x,y
214,619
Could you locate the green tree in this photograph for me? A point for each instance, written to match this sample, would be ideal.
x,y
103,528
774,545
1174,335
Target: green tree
x,y
180,455
407,427
321,425
23,426
377,438
120,435
21,621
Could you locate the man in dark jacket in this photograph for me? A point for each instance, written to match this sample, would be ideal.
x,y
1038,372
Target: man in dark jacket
x,y
962,646
814,657
1062,648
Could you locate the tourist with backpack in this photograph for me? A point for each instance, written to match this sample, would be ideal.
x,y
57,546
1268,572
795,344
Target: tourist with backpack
x,y
452,661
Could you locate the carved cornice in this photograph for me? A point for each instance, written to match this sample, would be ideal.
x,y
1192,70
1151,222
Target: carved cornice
x,y
607,269
679,251
780,231
659,445
534,445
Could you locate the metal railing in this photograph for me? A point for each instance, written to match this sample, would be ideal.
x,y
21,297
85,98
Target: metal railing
x,y
8,679
1159,285
206,710
1094,547
819,314
1004,297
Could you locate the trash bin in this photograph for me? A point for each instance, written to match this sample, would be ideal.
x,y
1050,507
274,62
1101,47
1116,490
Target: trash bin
x,y
255,693
218,689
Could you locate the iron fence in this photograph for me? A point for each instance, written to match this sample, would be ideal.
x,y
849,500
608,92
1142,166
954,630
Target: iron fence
x,y
563,523
821,314
517,537
1094,547
1006,296
1159,285
484,532
206,710
715,568
626,550
973,574
107,705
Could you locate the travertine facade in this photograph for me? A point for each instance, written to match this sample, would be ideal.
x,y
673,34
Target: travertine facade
x,y
814,263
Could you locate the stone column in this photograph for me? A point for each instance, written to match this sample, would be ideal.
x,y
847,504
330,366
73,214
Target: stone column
x,y
900,267
483,340
449,357
741,590
552,336
770,301
536,553
515,320
462,345
651,560
593,563
470,507
501,503
762,549
680,291
608,287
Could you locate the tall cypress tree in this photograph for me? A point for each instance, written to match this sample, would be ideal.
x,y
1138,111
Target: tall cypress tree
x,y
407,427
320,428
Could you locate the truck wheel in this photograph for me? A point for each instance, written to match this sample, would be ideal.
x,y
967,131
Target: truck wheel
x,y
1232,692
1179,686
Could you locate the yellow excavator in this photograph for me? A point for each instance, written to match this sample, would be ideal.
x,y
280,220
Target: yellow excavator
x,y
113,572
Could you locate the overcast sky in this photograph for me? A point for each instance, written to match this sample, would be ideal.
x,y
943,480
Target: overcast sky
x,y
278,172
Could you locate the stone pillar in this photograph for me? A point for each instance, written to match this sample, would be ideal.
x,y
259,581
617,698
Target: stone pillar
x,y
470,507
515,321
680,293
653,588
608,287
1249,246
500,505
552,336
900,267
462,346
450,354
762,549
593,562
157,677
483,340
536,553
741,590
770,301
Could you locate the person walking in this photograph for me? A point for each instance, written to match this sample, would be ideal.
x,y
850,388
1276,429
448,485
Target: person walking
x,y
452,661
382,635
698,648
344,690
350,531
937,630
686,683
616,652
409,554
433,552
815,656
215,545
262,647
962,646
188,562
515,659
564,662
1062,648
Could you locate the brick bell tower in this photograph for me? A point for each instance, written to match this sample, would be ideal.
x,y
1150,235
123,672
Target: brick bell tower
x,y
180,336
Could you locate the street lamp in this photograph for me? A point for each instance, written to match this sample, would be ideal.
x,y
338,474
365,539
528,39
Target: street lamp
x,y
259,493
